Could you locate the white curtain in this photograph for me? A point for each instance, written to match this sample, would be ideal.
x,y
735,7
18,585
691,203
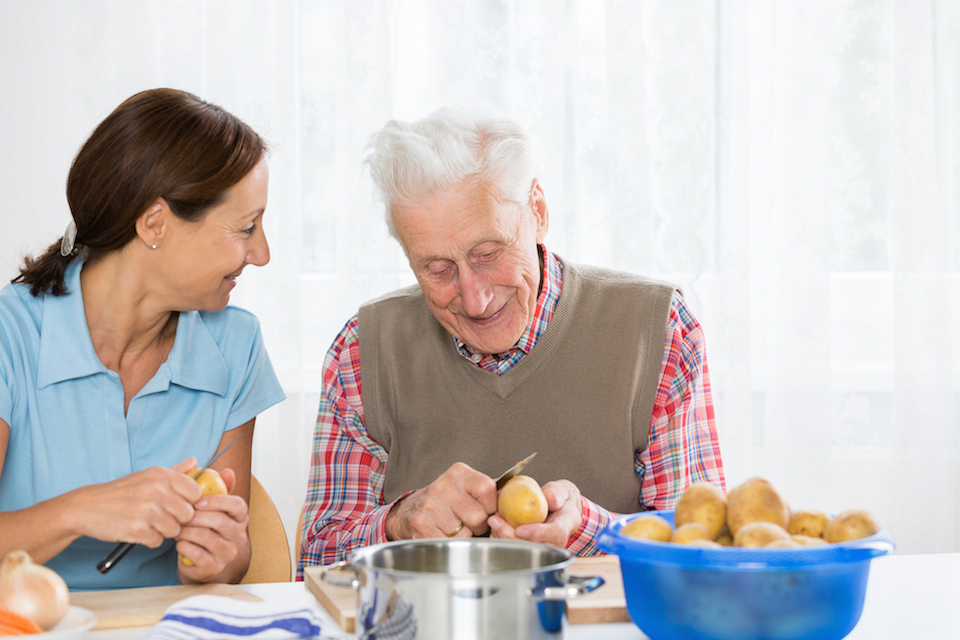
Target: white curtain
x,y
793,164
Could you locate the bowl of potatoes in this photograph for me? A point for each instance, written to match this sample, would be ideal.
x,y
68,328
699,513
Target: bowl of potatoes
x,y
744,565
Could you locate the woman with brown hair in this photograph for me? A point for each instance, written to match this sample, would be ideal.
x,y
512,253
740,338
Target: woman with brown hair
x,y
121,365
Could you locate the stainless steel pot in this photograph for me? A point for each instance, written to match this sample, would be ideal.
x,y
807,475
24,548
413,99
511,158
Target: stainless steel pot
x,y
477,588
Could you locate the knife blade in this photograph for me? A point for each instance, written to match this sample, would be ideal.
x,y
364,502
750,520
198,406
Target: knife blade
x,y
123,548
513,471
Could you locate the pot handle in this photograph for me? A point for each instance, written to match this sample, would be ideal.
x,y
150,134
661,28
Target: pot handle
x,y
576,586
341,574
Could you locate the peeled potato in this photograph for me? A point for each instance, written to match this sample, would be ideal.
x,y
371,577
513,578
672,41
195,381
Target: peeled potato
x,y
850,525
704,503
210,484
521,501
756,501
759,534
689,532
648,527
808,523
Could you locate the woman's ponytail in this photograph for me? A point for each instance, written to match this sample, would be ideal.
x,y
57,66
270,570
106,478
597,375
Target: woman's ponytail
x,y
46,272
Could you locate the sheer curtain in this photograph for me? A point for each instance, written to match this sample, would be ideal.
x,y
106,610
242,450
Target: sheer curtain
x,y
792,164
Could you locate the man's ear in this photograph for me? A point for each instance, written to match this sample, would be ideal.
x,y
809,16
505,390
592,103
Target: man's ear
x,y
152,224
538,205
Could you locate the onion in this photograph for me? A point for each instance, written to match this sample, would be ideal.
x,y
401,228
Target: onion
x,y
32,590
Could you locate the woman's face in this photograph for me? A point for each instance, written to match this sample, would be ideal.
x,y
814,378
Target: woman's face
x,y
204,259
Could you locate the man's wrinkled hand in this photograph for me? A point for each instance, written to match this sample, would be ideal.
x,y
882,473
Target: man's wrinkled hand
x,y
457,504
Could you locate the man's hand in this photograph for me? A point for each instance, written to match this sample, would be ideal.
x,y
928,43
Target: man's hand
x,y
457,504
563,519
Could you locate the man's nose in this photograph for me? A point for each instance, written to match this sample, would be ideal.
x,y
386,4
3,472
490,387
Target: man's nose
x,y
475,291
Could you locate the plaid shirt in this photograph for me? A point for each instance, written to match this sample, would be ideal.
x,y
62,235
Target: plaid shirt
x,y
344,506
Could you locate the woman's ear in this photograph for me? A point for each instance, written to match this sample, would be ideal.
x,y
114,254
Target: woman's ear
x,y
152,224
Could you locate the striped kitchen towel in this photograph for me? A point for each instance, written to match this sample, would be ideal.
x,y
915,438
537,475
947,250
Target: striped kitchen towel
x,y
207,616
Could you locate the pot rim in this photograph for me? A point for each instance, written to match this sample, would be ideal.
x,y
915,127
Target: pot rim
x,y
355,557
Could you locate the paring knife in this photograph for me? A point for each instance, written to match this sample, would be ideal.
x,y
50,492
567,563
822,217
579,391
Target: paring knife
x,y
123,548
513,471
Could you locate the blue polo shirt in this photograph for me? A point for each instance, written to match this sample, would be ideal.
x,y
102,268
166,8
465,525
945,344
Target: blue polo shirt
x,y
68,429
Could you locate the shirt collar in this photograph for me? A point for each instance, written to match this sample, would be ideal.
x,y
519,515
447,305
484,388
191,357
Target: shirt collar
x,y
196,361
551,282
67,353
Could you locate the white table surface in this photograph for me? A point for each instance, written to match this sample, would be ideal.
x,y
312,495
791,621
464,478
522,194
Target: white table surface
x,y
908,597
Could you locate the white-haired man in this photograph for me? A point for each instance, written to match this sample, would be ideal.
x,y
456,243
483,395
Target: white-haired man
x,y
500,350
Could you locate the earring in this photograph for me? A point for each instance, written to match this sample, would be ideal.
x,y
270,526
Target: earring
x,y
153,246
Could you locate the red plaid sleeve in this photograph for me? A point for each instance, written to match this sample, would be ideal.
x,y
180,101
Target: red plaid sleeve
x,y
682,447
343,508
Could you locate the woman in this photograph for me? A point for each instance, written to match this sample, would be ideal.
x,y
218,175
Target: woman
x,y
121,366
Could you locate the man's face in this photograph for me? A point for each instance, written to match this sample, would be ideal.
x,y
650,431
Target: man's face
x,y
475,257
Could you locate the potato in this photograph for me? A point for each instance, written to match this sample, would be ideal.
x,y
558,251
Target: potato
x,y
759,534
704,503
211,484
709,544
808,523
725,539
850,525
782,542
756,501
521,501
689,532
807,541
648,527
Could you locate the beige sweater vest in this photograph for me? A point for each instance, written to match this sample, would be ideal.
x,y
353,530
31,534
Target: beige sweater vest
x,y
582,398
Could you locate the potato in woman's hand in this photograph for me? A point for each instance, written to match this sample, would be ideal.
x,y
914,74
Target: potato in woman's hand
x,y
211,483
703,503
850,525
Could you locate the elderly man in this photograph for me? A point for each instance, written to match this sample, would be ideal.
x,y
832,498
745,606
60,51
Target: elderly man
x,y
500,350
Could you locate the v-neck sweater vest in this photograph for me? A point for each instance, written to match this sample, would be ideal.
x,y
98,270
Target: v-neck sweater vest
x,y
582,398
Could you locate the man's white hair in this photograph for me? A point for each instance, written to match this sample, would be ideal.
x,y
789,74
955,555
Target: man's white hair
x,y
409,161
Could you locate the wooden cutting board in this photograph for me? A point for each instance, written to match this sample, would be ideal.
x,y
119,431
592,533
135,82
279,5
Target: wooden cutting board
x,y
605,604
144,607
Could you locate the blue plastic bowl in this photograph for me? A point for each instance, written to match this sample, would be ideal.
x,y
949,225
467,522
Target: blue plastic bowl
x,y
683,592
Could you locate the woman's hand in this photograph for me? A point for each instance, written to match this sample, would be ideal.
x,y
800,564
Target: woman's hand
x,y
563,520
216,536
143,507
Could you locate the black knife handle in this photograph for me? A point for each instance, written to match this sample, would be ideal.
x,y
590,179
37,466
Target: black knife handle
x,y
107,563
